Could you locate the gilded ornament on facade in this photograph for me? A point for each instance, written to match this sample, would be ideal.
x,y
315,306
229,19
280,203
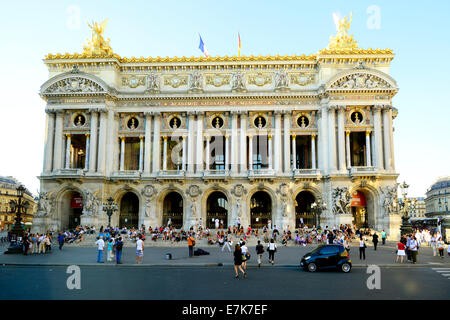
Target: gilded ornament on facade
x,y
74,85
360,81
218,80
176,80
302,79
259,79
98,45
133,81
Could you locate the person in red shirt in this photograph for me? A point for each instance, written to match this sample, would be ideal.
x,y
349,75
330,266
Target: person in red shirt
x,y
400,252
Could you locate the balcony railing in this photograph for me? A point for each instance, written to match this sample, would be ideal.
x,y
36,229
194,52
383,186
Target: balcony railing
x,y
362,169
170,174
216,173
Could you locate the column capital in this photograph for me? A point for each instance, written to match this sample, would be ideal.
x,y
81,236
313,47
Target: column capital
x,y
234,113
68,135
368,132
347,132
250,136
313,136
207,137
227,136
122,138
141,138
191,114
200,113
377,108
50,111
269,136
341,108
386,107
294,136
165,138
156,113
148,113
87,135
332,107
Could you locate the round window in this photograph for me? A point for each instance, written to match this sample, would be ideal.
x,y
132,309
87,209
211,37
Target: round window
x,y
132,123
175,123
303,121
260,122
356,117
79,120
217,122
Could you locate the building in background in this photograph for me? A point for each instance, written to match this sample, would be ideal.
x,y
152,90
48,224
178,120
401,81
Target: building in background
x,y
255,138
437,203
8,192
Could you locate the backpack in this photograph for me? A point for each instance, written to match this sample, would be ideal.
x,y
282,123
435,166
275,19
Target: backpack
x,y
119,245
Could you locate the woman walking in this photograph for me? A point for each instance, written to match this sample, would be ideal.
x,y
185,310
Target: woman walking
x,y
245,256
362,248
238,261
400,252
272,248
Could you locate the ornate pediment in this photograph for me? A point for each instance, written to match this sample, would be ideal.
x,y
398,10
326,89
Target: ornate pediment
x,y
360,80
75,85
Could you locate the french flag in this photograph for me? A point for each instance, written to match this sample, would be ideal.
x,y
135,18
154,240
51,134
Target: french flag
x,y
202,47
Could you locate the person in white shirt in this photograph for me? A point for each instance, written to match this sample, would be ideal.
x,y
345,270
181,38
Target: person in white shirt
x,y
433,244
100,245
216,222
42,244
413,246
139,249
228,243
245,254
271,248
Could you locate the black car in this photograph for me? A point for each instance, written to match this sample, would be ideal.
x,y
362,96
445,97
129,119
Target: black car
x,y
327,257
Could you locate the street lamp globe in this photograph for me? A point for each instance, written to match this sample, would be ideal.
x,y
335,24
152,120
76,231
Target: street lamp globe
x,y
20,191
404,188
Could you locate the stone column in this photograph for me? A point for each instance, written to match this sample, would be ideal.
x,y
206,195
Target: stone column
x,y
341,139
243,143
250,152
68,147
368,162
102,134
287,142
191,141
332,164
378,140
208,153
227,152
165,153
86,159
141,153
157,143
111,152
148,142
294,152
58,154
278,152
313,151
122,154
93,143
323,135
347,148
199,152
387,118
49,139
269,141
234,142
184,154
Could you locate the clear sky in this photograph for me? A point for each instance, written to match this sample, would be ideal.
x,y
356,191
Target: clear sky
x,y
417,31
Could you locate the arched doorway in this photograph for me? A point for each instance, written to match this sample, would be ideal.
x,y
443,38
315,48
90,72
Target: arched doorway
x,y
360,210
129,211
173,209
260,209
71,210
303,212
216,208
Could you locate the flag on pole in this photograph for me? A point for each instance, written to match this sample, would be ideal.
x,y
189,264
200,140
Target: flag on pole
x,y
239,37
202,47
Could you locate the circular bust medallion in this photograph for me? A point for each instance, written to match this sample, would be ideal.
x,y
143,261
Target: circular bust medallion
x,y
175,82
132,123
79,120
259,80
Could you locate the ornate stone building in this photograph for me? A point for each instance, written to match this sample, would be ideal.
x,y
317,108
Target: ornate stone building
x,y
255,138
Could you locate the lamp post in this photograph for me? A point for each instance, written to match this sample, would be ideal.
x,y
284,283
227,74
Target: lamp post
x,y
109,207
317,207
406,227
18,207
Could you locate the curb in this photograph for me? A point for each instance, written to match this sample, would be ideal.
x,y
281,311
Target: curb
x,y
192,265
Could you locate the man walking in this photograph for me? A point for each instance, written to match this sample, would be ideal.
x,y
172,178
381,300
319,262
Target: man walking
x,y
383,237
375,241
61,240
139,250
100,245
119,246
259,252
413,246
191,244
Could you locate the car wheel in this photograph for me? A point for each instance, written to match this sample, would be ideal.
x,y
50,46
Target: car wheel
x,y
312,267
346,267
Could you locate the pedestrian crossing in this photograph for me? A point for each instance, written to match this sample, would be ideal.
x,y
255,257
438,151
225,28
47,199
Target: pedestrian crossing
x,y
445,272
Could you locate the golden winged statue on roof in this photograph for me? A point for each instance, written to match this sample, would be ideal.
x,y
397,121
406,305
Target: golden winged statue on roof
x,y
97,44
342,40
